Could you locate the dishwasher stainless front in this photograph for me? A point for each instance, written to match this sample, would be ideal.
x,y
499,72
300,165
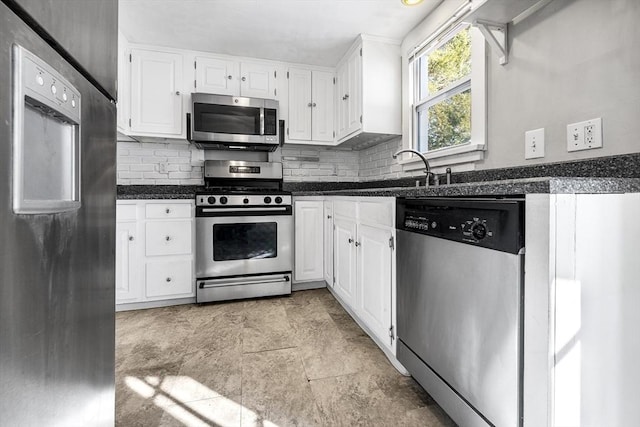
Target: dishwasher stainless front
x,y
460,288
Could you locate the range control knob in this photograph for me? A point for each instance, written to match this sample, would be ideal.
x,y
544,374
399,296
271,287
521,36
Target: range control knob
x,y
245,201
267,200
211,200
278,199
479,230
223,200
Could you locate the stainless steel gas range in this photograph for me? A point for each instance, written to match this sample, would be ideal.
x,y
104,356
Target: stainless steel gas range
x,y
244,232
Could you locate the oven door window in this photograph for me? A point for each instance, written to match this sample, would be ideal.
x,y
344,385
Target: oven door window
x,y
226,119
245,241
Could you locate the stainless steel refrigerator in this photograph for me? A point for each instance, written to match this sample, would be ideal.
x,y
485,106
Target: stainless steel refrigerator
x,y
57,211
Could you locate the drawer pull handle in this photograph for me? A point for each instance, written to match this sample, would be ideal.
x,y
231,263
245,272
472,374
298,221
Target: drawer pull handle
x,y
168,210
168,279
131,238
168,238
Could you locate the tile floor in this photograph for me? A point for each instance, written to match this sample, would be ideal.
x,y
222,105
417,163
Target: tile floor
x,y
291,361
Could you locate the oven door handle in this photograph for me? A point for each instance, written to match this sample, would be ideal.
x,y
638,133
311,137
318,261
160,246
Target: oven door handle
x,y
233,282
236,211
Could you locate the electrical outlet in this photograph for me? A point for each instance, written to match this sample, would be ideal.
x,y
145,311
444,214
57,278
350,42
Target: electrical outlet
x,y
162,167
584,135
534,144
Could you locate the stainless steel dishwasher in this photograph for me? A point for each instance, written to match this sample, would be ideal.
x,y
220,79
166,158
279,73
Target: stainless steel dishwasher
x,y
460,288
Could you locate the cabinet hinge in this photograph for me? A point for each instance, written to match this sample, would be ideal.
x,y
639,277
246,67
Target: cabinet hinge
x,y
275,92
361,118
129,57
194,65
287,131
334,80
129,122
275,74
334,133
392,334
194,83
334,280
287,74
360,51
392,243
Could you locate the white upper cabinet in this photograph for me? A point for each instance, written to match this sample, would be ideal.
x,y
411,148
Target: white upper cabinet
x,y
156,93
220,76
257,80
369,91
299,125
230,77
311,106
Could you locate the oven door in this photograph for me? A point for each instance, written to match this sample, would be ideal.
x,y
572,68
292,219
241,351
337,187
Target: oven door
x,y
243,245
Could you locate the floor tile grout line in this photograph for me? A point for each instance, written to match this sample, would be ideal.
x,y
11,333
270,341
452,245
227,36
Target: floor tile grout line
x,y
269,349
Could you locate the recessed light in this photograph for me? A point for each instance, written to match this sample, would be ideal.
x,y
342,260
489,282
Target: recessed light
x,y
411,2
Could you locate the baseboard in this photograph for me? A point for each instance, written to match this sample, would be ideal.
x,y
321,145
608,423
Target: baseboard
x,y
154,304
304,286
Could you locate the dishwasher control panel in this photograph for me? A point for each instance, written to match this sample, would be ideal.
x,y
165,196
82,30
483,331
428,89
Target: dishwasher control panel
x,y
492,223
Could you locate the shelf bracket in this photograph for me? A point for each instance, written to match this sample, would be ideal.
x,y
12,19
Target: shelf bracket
x,y
496,35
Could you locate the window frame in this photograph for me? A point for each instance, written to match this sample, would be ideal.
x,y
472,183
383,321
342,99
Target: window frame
x,y
462,156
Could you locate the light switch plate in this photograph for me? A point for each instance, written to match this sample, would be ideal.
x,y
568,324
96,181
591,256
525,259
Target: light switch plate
x,y
534,144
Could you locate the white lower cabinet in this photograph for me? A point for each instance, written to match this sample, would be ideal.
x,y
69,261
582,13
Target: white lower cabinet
x,y
308,259
364,263
328,242
154,252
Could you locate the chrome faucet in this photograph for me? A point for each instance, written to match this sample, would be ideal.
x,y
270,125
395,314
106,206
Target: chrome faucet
x,y
424,159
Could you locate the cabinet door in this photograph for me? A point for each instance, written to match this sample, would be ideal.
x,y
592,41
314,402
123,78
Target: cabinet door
x,y
169,279
308,240
128,285
374,280
219,76
299,126
322,98
342,113
257,80
354,92
156,100
344,260
328,242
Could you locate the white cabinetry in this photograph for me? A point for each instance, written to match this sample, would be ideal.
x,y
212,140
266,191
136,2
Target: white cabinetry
x,y
311,106
156,93
328,242
368,100
216,75
364,262
225,76
154,253
308,265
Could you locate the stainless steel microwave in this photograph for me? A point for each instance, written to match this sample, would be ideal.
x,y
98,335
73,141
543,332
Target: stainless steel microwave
x,y
233,122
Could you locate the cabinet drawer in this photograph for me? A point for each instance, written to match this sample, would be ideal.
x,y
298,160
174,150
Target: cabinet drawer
x,y
378,212
168,238
126,212
168,210
168,279
345,208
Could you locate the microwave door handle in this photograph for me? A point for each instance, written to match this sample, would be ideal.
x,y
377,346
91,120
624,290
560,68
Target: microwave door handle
x,y
262,121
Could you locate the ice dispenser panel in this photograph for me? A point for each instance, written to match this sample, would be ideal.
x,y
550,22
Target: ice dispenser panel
x,y
46,138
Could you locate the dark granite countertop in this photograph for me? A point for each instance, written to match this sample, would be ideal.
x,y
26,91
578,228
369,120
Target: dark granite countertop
x,y
171,192
544,185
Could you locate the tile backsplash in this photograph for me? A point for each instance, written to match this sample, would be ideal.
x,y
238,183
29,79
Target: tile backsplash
x,y
144,163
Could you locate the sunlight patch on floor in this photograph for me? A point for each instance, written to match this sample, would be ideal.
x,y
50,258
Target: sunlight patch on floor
x,y
192,403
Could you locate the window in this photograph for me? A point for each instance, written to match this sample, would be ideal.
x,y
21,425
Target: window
x,y
447,87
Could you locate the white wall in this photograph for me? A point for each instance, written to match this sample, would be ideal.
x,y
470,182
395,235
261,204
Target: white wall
x,y
574,60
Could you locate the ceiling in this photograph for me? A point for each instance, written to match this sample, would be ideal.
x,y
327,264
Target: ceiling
x,y
314,32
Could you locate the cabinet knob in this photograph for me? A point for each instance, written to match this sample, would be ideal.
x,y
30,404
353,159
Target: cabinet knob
x,y
131,238
309,105
168,210
345,97
357,244
178,92
168,279
168,238
230,77
328,216
244,79
350,240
